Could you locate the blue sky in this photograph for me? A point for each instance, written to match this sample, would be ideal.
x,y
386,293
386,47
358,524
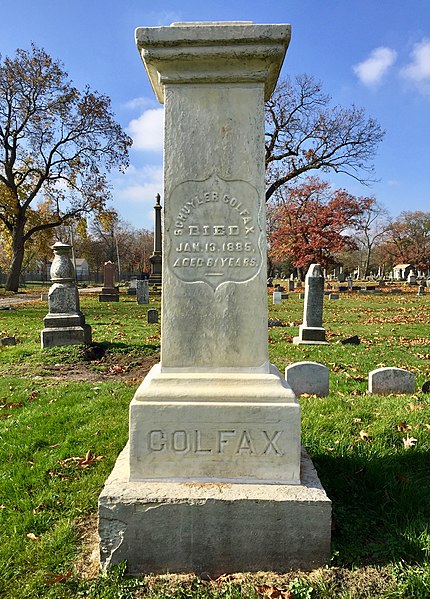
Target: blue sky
x,y
375,54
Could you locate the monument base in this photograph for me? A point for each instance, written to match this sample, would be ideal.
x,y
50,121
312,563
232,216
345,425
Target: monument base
x,y
108,297
310,336
213,528
80,335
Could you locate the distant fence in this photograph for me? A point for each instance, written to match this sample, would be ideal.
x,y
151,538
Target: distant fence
x,y
87,278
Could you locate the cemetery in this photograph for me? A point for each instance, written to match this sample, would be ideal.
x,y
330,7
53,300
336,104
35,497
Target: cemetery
x,y
201,432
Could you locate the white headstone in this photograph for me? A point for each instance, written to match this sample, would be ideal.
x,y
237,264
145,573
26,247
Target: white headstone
x,y
308,377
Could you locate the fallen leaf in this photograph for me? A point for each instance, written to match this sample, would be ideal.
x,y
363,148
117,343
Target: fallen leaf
x,y
403,427
409,442
364,436
265,590
32,536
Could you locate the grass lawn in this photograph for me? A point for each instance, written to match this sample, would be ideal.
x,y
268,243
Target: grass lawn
x,y
64,419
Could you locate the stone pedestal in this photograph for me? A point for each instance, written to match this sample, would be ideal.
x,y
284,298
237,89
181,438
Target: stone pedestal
x,y
64,324
156,258
214,428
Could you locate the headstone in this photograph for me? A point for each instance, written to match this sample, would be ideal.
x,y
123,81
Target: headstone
x,y
284,296
421,290
333,296
7,341
311,332
308,377
156,257
44,297
65,323
291,285
142,292
412,278
301,296
152,316
214,428
109,292
277,297
132,287
384,381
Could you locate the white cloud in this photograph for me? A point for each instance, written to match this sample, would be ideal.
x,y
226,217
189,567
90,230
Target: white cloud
x,y
140,103
371,70
147,130
418,70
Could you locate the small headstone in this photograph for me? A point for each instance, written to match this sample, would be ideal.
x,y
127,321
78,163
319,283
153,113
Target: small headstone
x,y
384,381
333,296
44,297
308,377
284,296
354,340
426,387
421,290
277,297
132,287
152,316
8,341
412,278
395,291
290,285
142,292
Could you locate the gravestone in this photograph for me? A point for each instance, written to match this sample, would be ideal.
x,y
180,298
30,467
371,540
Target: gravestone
x,y
333,296
214,440
277,297
412,278
142,292
152,316
384,381
308,377
64,324
7,341
311,332
132,287
421,290
109,292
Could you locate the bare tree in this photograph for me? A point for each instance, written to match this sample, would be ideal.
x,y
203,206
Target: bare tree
x,y
304,133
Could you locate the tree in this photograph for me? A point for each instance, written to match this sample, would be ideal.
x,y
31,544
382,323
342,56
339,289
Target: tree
x,y
56,146
408,239
310,223
304,134
371,227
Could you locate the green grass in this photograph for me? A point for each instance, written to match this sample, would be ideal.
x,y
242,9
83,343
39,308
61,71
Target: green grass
x,y
379,486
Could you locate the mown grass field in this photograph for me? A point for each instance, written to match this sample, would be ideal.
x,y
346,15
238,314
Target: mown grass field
x,y
63,421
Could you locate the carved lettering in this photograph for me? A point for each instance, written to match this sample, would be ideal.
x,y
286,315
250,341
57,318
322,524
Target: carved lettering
x,y
229,442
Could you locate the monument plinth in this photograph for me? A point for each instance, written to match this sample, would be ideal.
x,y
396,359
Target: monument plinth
x,y
156,257
214,412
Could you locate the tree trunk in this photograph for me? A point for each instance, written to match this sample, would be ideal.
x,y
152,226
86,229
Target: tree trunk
x,y
12,282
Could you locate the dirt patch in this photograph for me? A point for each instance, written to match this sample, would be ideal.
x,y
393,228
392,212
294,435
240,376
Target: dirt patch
x,y
111,367
88,563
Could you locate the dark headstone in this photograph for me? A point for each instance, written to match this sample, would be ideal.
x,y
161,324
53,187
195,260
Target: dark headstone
x,y
8,341
152,316
426,387
354,340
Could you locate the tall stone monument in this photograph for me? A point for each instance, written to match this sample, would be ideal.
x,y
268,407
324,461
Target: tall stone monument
x,y
213,479
64,324
156,258
311,332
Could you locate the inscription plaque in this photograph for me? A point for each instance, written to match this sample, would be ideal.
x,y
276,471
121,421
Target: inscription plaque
x,y
217,235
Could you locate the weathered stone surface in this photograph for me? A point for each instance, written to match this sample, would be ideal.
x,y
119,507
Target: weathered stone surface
x,y
383,381
7,341
213,529
308,377
142,292
214,415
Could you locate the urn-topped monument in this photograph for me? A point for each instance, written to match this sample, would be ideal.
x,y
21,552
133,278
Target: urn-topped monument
x,y
213,479
64,324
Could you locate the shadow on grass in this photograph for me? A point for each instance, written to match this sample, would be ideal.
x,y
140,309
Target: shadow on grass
x,y
381,507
